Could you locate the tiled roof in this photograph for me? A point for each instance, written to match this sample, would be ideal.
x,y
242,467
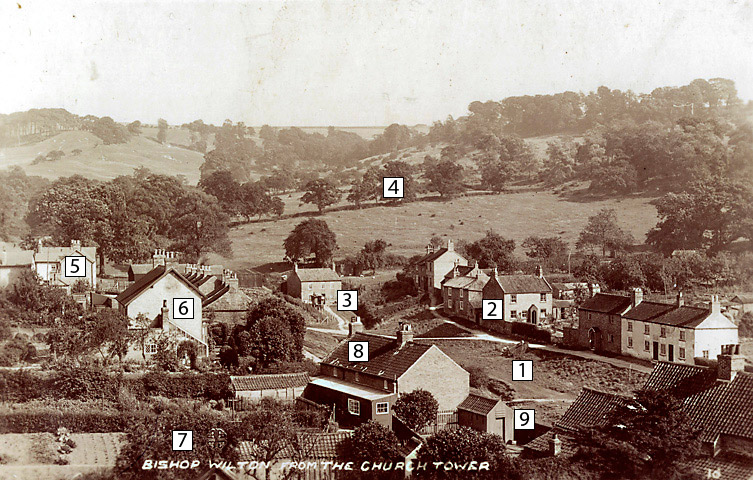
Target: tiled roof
x,y
56,254
522,283
606,303
590,409
387,359
462,270
667,314
321,446
667,375
429,257
317,275
478,404
730,466
150,279
475,283
269,382
541,443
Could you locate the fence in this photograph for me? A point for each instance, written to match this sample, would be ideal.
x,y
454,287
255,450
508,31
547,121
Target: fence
x,y
446,420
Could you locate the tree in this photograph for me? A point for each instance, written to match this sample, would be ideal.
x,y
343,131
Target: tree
x,y
166,357
321,193
255,201
648,437
108,333
465,445
276,329
372,254
399,169
161,130
602,232
234,151
200,226
223,186
311,236
709,215
625,273
446,177
547,249
134,127
371,442
416,409
270,427
559,166
492,250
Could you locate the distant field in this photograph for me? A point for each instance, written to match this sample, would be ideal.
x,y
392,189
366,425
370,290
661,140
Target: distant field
x,y
100,161
408,227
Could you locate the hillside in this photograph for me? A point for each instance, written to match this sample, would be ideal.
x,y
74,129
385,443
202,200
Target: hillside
x,y
100,161
409,227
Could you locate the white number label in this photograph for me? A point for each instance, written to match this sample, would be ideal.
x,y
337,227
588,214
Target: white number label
x,y
358,351
393,187
75,266
491,309
183,308
347,300
524,419
522,370
183,440
713,473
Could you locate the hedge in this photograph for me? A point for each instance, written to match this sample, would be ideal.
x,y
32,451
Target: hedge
x,y
531,331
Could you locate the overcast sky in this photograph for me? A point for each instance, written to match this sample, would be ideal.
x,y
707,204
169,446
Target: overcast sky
x,y
353,62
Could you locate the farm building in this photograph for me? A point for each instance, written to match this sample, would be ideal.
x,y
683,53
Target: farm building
x,y
283,386
486,414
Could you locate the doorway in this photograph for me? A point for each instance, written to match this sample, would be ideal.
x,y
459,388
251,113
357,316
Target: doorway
x,y
671,353
656,350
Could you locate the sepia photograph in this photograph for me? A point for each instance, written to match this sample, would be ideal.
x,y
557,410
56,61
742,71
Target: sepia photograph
x,y
378,239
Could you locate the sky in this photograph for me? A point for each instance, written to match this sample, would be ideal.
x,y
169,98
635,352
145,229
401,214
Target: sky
x,y
354,63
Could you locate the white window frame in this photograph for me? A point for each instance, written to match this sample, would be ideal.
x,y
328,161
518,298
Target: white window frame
x,y
630,342
150,348
542,297
663,349
646,346
449,302
513,314
513,298
630,326
682,335
385,405
354,407
461,305
681,353
663,332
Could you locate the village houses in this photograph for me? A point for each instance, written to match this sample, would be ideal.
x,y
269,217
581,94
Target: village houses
x,y
317,286
462,292
525,298
649,330
430,270
13,262
50,263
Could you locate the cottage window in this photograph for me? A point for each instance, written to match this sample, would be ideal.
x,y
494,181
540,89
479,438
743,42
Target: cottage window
x,y
663,332
382,408
705,354
682,353
513,314
449,302
357,377
611,338
630,342
354,407
663,349
386,387
150,348
461,305
630,326
682,335
646,345
543,312
543,297
524,315
646,329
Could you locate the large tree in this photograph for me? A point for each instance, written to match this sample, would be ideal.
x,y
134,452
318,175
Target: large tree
x,y
372,442
603,232
493,250
273,332
200,226
417,409
312,236
446,177
321,193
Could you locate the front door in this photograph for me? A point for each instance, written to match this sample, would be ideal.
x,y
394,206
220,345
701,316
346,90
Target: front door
x,y
656,350
533,316
671,353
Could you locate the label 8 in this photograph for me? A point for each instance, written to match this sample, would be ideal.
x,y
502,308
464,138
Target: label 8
x,y
347,300
75,266
522,370
183,308
491,309
183,440
358,351
393,187
524,419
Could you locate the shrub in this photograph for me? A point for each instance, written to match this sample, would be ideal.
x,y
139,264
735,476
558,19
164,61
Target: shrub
x,y
70,443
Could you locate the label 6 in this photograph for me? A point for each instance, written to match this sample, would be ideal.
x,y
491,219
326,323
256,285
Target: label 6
x,y
183,308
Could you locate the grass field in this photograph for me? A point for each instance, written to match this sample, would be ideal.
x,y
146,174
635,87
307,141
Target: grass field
x,y
409,227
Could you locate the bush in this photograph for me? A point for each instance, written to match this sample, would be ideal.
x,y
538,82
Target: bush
x,y
745,325
531,331
478,377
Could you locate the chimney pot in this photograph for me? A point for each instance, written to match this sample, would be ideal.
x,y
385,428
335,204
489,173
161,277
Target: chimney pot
x,y
555,445
680,300
404,333
450,246
715,306
355,326
636,297
730,362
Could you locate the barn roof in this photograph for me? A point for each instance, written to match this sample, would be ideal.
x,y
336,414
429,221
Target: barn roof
x,y
479,404
606,303
269,382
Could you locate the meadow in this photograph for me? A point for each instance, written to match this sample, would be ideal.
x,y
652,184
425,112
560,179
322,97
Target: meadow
x,y
408,228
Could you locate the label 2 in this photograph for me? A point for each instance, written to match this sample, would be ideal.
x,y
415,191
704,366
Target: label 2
x,y
491,309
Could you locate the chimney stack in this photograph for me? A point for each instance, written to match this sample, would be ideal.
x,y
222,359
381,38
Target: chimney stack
x,y
715,306
165,315
539,271
555,445
450,246
636,297
75,244
680,300
295,266
730,362
355,326
404,333
159,258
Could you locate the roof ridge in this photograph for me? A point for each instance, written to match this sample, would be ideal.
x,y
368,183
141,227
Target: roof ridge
x,y
611,394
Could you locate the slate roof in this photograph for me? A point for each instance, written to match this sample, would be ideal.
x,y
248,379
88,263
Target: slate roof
x,y
322,446
269,382
127,295
606,303
522,284
387,359
590,409
468,283
56,254
478,404
17,258
667,314
430,257
744,298
317,275
730,466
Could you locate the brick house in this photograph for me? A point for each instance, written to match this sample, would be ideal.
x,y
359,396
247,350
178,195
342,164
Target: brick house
x,y
649,330
717,400
462,292
153,295
525,298
318,286
362,391
50,264
431,269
